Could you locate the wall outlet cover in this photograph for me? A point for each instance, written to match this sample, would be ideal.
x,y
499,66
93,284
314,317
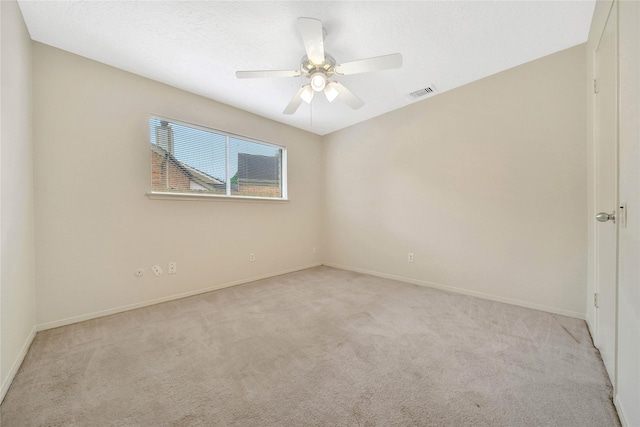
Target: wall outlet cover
x,y
156,270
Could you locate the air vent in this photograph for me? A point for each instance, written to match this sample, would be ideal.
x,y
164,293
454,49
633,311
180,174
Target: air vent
x,y
429,90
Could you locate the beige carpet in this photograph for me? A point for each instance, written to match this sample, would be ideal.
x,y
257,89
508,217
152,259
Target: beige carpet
x,y
320,347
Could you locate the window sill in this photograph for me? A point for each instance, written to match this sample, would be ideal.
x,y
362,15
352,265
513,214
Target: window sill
x,y
210,197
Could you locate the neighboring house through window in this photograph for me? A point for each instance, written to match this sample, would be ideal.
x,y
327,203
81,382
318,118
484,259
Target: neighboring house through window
x,y
191,159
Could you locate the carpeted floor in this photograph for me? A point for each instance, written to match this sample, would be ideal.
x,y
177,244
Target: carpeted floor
x,y
320,347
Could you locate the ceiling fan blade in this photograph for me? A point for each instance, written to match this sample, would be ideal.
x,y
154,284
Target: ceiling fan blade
x,y
313,38
294,103
347,96
268,73
376,63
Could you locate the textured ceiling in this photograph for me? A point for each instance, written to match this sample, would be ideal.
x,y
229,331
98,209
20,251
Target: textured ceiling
x,y
198,46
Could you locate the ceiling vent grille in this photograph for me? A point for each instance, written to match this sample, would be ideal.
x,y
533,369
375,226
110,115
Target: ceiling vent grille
x,y
429,90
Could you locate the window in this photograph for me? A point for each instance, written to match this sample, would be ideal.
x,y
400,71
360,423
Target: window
x,y
190,159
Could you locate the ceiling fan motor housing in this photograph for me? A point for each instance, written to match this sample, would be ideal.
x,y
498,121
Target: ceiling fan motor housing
x,y
318,74
308,67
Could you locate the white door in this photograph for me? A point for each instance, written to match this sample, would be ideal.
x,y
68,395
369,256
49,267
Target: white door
x,y
606,122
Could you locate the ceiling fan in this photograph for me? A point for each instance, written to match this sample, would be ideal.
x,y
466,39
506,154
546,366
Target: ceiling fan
x,y
319,66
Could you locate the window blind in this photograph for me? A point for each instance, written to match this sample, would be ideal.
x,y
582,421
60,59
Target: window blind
x,y
192,159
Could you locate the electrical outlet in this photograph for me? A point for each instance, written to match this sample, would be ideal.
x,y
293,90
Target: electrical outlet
x,y
173,267
156,270
139,272
252,257
410,257
314,250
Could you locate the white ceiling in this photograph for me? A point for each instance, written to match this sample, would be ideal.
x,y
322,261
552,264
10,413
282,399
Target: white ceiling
x,y
198,46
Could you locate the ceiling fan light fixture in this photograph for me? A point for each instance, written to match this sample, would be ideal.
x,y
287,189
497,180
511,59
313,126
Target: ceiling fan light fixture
x,y
307,94
318,81
331,92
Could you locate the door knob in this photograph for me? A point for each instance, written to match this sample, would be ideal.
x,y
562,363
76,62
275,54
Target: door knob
x,y
604,217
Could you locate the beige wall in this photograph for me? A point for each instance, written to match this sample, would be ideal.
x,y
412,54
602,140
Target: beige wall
x,y
94,223
485,184
17,289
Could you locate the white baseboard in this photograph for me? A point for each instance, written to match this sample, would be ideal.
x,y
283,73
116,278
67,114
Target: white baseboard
x,y
618,405
102,313
16,364
482,295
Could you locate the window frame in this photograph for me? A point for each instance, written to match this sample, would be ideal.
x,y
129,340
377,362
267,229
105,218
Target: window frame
x,y
179,195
